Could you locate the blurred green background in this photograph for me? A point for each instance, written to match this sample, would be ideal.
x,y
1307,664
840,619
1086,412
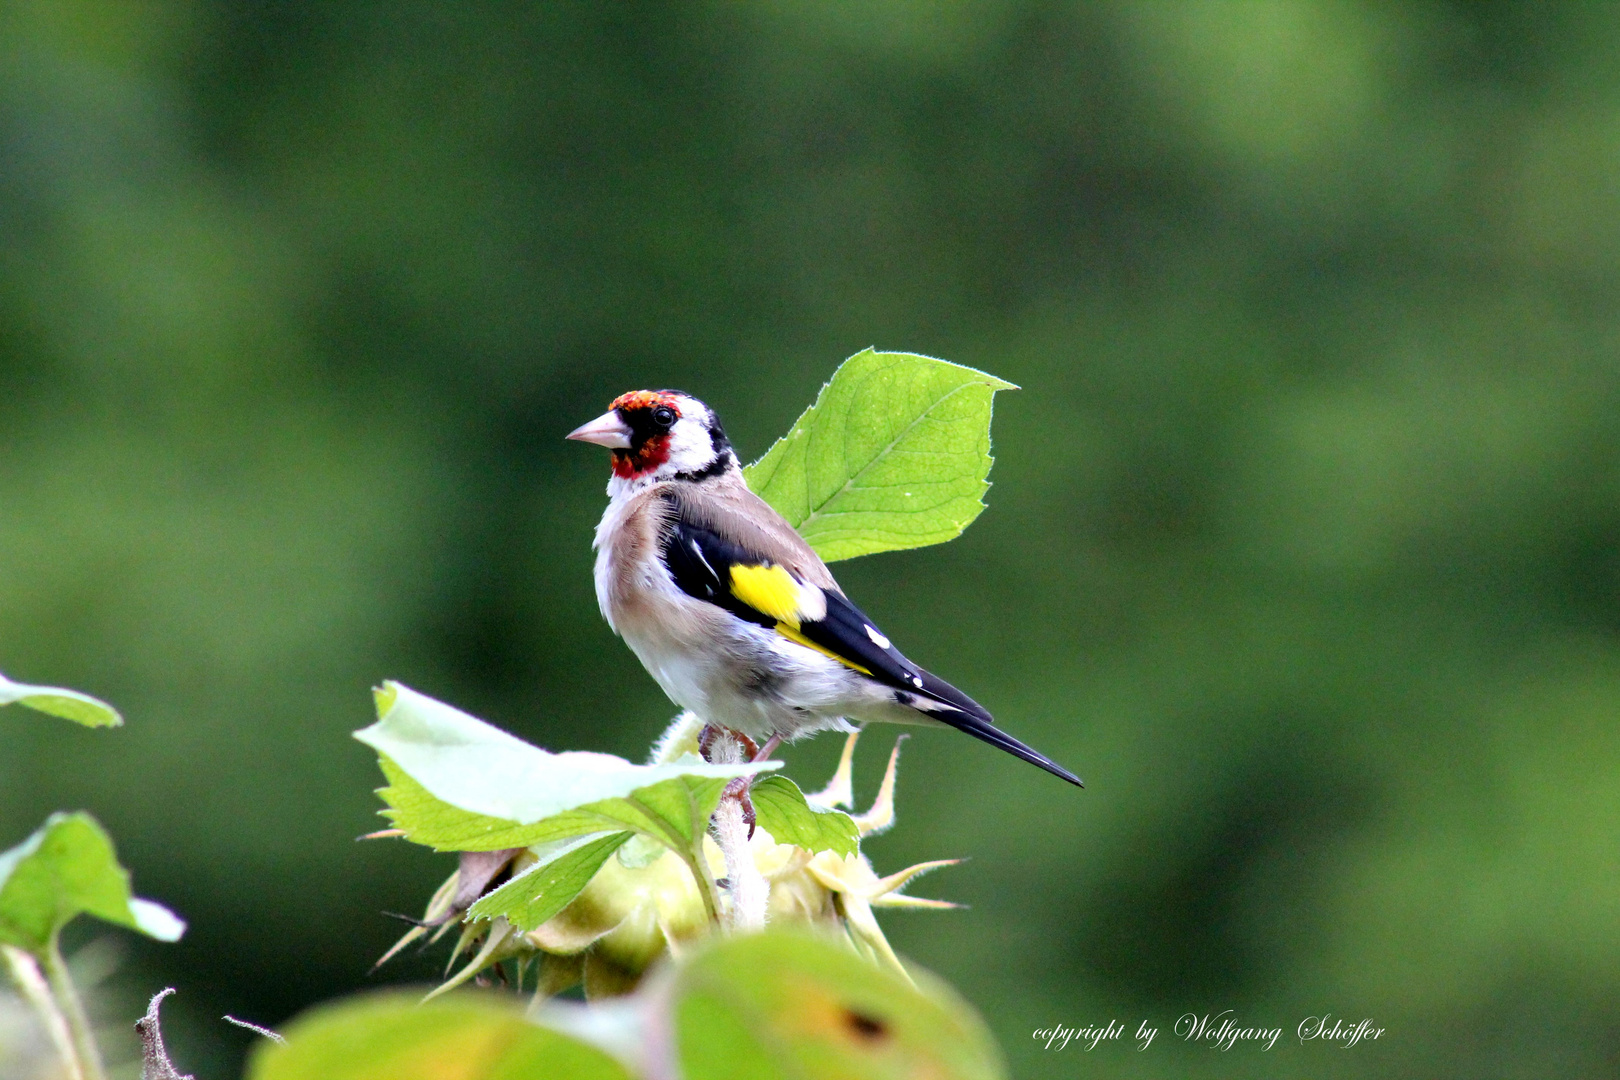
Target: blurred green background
x,y
1304,545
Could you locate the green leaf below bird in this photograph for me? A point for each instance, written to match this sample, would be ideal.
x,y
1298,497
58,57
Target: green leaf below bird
x,y
57,701
65,869
459,784
893,454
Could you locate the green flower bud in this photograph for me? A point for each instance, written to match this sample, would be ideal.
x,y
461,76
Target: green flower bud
x,y
643,902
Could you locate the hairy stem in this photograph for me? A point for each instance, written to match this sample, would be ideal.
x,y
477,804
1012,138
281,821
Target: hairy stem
x,y
31,981
749,892
67,999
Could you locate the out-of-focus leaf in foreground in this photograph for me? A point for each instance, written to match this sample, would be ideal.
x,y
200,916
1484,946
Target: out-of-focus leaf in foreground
x,y
58,701
893,454
801,1008
65,869
459,784
787,1006
392,1037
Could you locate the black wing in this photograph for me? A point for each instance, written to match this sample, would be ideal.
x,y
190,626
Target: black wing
x,y
705,565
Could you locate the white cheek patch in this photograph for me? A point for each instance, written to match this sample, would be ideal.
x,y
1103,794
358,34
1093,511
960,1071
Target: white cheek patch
x,y
690,447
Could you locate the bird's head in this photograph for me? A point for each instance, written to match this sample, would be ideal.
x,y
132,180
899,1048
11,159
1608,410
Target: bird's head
x,y
660,435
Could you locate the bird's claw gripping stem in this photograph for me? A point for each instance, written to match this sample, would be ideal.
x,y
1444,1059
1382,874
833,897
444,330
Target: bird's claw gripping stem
x,y
711,742
738,789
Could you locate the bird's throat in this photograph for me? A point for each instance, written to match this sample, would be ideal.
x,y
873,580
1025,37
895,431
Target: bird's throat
x,y
641,460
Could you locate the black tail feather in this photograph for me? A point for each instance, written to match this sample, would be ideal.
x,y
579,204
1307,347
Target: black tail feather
x,y
964,714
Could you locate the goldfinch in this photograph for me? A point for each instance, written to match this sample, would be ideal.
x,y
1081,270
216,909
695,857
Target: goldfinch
x,y
729,609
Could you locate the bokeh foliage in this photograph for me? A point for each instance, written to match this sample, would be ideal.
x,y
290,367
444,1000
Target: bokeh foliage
x,y
1304,544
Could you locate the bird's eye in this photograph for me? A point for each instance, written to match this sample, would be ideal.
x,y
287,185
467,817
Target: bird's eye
x,y
663,416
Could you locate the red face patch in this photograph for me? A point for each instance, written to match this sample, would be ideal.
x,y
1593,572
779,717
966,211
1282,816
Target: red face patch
x,y
649,445
640,460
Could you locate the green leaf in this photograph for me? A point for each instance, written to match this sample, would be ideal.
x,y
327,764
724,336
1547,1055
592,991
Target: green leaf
x,y
781,810
458,784
550,885
678,807
68,868
785,1006
68,704
429,820
893,454
392,1037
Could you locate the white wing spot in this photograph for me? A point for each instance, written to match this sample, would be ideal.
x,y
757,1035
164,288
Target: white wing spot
x,y
916,681
877,639
698,551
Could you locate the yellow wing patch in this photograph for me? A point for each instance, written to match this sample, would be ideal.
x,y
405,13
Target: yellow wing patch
x,y
774,592
769,590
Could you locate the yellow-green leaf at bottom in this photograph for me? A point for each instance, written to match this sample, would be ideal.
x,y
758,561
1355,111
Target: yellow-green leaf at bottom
x,y
392,1037
784,1006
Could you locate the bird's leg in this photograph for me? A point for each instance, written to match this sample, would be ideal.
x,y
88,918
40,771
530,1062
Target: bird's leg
x,y
768,749
763,753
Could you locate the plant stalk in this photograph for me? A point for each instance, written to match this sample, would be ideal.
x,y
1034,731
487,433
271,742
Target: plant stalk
x,y
67,1001
695,862
690,852
31,981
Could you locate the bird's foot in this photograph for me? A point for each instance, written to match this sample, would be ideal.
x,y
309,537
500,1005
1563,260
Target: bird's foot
x,y
738,790
712,742
729,746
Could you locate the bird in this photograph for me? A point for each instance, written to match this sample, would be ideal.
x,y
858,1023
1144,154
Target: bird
x,y
729,609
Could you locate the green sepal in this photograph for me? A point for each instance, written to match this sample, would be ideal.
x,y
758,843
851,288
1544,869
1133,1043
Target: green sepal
x,y
551,884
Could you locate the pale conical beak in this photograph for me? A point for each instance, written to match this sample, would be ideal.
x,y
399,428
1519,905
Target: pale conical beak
x,y
606,430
